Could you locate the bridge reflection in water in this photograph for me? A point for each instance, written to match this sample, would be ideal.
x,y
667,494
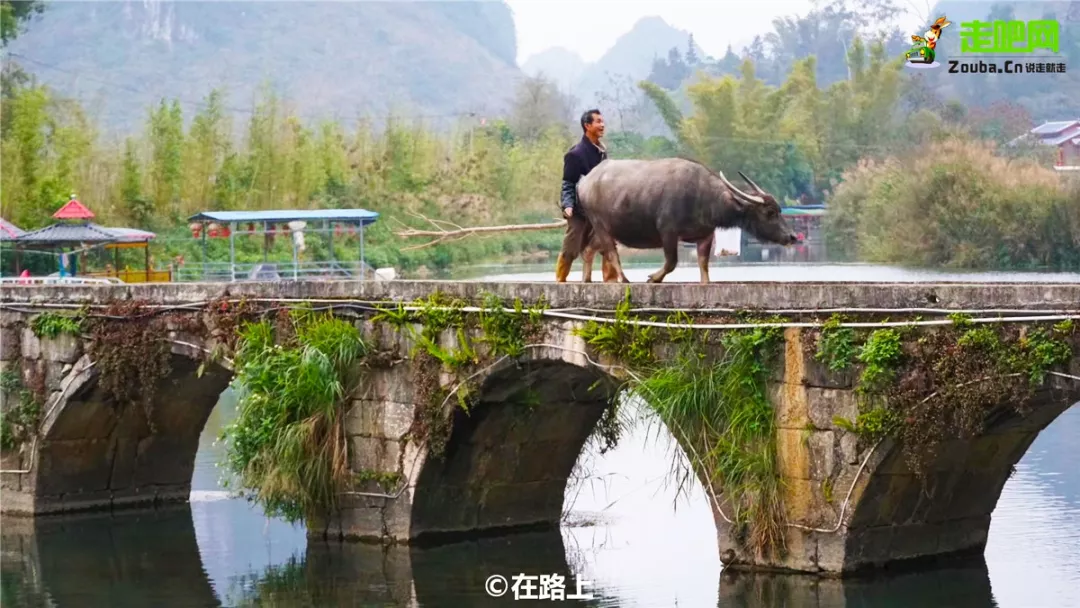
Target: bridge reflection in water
x,y
151,558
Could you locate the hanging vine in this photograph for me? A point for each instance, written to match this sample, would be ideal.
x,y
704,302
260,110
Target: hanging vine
x,y
945,382
129,345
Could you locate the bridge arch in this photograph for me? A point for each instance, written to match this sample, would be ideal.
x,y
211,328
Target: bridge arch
x,y
507,460
897,516
94,452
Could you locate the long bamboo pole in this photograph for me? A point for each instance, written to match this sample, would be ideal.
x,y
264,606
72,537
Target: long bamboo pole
x,y
460,233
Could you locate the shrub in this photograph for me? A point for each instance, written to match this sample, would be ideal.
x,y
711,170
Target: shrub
x,y
957,204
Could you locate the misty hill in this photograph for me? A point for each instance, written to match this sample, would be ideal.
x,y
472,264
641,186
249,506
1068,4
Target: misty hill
x,y
630,59
633,54
562,66
331,59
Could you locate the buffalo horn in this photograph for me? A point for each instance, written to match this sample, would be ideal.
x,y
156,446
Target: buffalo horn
x,y
740,193
752,184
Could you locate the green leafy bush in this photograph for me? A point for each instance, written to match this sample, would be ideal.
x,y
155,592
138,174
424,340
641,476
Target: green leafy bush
x,y
287,446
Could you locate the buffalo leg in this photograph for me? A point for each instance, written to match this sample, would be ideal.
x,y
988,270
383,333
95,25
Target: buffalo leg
x,y
587,257
615,274
704,248
610,276
671,259
606,269
586,264
612,265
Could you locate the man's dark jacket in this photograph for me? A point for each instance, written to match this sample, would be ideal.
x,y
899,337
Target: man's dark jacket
x,y
577,163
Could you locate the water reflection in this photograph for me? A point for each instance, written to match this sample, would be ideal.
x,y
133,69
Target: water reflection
x,y
135,558
963,584
152,559
1033,550
451,576
639,551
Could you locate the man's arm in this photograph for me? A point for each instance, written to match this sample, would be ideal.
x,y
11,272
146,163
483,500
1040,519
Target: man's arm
x,y
571,174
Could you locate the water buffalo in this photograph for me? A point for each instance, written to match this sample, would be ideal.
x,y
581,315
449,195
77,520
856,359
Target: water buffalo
x,y
655,204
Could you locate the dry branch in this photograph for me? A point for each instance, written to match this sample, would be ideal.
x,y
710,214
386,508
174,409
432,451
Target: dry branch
x,y
443,235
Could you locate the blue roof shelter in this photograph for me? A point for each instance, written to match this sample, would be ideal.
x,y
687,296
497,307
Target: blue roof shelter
x,y
361,216
358,217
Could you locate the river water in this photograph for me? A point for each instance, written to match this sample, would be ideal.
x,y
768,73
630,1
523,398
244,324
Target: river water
x,y
627,535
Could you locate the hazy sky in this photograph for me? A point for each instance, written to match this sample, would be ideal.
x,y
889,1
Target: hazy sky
x,y
590,27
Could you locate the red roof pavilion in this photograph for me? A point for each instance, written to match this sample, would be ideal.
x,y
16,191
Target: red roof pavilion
x,y
73,210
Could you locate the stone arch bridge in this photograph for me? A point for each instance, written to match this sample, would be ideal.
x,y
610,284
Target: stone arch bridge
x,y
849,498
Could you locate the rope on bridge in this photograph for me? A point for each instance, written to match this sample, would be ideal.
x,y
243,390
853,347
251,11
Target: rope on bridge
x,y
563,313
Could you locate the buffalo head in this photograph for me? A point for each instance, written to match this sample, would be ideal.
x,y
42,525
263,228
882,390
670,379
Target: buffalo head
x,y
761,213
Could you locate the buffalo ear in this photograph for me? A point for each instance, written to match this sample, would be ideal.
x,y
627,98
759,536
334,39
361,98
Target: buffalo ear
x,y
736,201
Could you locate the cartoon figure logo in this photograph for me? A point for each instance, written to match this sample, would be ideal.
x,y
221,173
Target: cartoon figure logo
x,y
922,53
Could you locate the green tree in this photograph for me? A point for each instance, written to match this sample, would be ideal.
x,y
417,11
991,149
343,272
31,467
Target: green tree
x,y
14,14
795,137
207,144
166,135
46,144
692,58
138,209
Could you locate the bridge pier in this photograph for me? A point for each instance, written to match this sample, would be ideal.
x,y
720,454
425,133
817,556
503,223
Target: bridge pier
x,y
428,470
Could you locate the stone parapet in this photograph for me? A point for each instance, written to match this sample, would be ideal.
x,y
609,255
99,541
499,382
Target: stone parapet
x,y
807,295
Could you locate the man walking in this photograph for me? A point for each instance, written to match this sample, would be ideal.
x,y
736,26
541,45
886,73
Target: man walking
x,y
577,162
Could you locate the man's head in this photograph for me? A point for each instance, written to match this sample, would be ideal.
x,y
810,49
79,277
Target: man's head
x,y
592,123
